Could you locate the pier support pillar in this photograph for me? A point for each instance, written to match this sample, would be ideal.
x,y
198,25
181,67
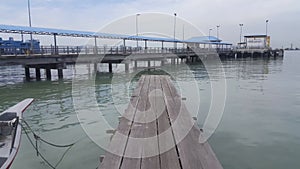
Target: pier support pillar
x,y
135,65
48,74
162,63
149,63
95,67
60,73
126,67
110,67
38,74
172,61
96,48
27,73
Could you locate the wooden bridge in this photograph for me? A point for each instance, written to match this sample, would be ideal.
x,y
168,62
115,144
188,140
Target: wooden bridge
x,y
157,132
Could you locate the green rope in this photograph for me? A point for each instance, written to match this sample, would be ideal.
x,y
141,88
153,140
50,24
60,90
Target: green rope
x,y
36,137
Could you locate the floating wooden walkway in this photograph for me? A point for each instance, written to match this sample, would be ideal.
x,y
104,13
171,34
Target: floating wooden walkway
x,y
157,132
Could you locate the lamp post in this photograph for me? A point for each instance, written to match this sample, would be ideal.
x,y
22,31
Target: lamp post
x,y
241,32
218,26
266,40
209,37
175,29
209,33
29,19
136,29
183,35
267,21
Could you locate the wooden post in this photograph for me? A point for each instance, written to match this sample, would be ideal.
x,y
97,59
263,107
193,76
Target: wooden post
x,y
38,74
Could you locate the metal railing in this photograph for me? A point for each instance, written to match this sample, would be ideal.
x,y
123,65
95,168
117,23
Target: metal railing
x,y
113,50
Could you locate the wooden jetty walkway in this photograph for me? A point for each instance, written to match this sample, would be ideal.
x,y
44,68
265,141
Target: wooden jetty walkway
x,y
157,132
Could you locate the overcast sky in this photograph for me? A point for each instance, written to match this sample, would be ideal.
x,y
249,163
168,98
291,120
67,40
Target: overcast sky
x,y
92,15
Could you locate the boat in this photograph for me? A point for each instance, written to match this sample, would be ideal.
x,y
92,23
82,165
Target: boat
x,y
10,132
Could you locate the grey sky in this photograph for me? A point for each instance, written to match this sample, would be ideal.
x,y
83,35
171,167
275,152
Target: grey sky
x,y
92,15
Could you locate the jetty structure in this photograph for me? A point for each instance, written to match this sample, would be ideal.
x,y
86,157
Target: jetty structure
x,y
256,46
57,57
157,131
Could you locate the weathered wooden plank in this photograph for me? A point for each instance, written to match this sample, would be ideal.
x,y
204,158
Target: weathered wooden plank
x,y
192,153
134,148
188,156
114,156
168,154
166,116
150,156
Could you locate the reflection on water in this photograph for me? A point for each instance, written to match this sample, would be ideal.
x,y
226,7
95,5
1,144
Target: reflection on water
x,y
258,129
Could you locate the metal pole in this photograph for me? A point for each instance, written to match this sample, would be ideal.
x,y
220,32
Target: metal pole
x,y
174,29
55,45
136,29
29,19
241,25
267,21
209,37
183,36
218,26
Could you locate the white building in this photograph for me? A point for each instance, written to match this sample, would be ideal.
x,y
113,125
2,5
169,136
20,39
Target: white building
x,y
256,41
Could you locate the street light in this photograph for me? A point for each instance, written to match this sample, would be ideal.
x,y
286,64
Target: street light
x,y
241,25
175,29
218,26
29,19
266,40
267,21
209,37
183,35
136,29
209,33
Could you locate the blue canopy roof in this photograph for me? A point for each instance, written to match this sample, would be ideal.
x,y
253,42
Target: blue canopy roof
x,y
206,40
74,33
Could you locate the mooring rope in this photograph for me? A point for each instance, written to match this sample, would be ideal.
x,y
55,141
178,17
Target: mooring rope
x,y
36,137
